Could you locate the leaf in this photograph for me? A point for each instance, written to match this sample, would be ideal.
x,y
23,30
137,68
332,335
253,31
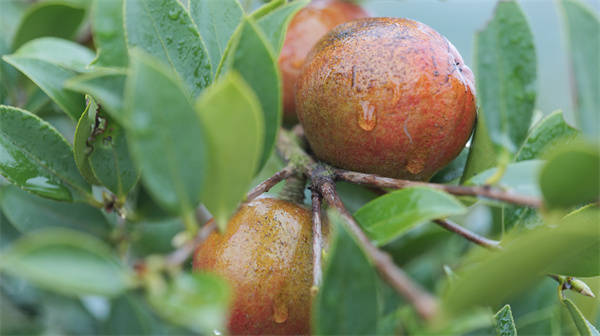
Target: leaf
x,y
482,154
81,148
49,18
387,217
506,75
165,135
129,316
275,23
67,262
194,300
164,29
155,237
109,33
454,170
226,109
34,156
571,176
581,25
266,8
347,302
584,327
505,324
29,213
216,22
254,60
519,178
49,62
547,134
11,14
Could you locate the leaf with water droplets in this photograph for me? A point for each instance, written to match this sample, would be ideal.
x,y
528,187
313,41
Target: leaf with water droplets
x,y
109,33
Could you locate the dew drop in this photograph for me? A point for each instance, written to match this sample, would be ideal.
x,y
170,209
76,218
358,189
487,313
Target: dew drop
x,y
367,118
280,312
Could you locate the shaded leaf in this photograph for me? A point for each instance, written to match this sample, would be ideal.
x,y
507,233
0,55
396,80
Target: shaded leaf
x,y
109,33
454,170
81,147
129,316
482,154
274,24
505,324
584,327
155,237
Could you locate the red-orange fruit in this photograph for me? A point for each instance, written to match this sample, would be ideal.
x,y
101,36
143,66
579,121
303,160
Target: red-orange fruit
x,y
306,28
386,96
266,255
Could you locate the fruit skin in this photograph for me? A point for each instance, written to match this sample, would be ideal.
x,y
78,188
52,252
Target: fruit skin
x,y
266,255
304,31
386,96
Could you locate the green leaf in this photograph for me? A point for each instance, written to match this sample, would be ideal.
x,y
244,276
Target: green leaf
x,y
454,170
519,178
545,135
482,154
81,147
28,213
155,237
194,300
231,115
267,8
109,33
581,26
164,29
274,24
49,62
165,135
216,22
67,262
506,75
129,316
11,14
49,18
347,302
571,176
387,217
254,59
37,158
584,327
505,324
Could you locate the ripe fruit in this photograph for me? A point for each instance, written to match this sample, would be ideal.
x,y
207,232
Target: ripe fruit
x,y
386,96
266,254
304,31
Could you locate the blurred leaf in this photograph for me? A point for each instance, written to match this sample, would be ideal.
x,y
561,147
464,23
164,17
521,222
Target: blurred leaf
x,y
129,316
109,33
49,62
197,301
347,302
354,196
37,158
231,115
273,165
505,324
506,75
81,147
571,176
254,59
164,29
582,26
11,14
216,22
584,327
274,24
387,217
9,232
482,154
155,236
520,177
547,134
28,213
67,262
165,134
49,18
454,170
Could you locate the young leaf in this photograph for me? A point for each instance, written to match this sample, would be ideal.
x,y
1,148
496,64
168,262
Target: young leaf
x,y
582,26
505,324
68,262
49,18
347,302
519,177
216,22
109,33
165,135
506,75
81,147
164,29
584,327
234,125
37,158
387,217
274,24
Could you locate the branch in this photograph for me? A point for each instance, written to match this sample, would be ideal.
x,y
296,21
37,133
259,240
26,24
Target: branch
x,y
479,191
270,183
469,235
317,237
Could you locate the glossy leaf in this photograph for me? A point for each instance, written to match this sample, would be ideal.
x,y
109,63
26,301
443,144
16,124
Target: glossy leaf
x,y
274,24
49,18
545,135
519,178
216,22
81,146
572,176
231,115
505,324
347,302
584,327
194,300
581,26
254,59
37,158
164,29
67,262
165,135
387,217
506,71
109,33
29,213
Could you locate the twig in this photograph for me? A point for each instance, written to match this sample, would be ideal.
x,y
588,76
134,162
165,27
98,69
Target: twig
x,y
481,191
317,237
269,183
469,235
180,255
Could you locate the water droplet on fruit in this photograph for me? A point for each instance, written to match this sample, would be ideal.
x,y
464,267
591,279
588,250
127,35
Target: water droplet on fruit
x,y
367,118
416,166
280,312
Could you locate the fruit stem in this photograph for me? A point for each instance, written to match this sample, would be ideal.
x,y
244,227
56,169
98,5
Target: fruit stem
x,y
317,237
